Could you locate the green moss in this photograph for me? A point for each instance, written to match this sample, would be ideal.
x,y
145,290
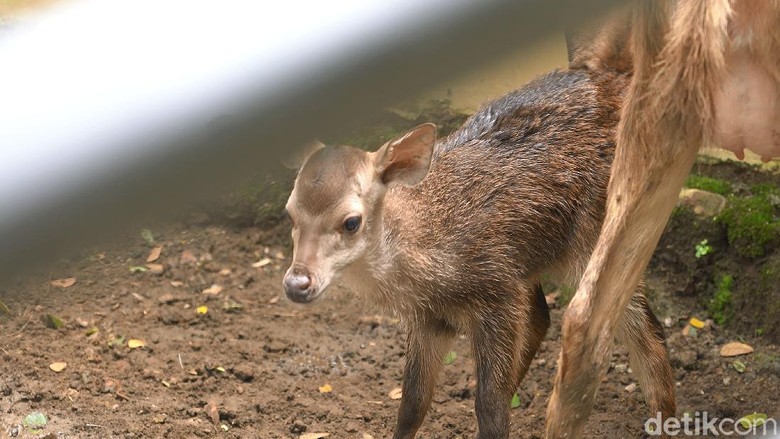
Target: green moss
x,y
709,184
721,303
751,222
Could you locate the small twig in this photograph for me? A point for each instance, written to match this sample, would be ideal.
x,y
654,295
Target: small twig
x,y
282,314
180,362
5,352
93,426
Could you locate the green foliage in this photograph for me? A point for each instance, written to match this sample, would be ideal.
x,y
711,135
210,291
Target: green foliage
x,y
515,402
709,184
751,222
703,249
721,303
450,357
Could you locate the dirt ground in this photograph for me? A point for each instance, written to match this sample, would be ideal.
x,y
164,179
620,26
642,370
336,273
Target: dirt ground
x,y
257,366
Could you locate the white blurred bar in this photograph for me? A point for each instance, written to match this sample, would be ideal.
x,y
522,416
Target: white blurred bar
x,y
107,108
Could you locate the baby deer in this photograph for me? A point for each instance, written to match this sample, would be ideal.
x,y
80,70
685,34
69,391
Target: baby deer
x,y
454,235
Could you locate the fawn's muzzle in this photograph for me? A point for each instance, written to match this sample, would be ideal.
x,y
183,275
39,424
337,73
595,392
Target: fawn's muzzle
x,y
299,286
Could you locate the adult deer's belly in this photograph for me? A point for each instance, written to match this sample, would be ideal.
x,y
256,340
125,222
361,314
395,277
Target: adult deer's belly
x,y
747,108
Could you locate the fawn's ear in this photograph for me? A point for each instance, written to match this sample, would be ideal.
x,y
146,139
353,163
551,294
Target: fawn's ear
x,y
299,156
406,160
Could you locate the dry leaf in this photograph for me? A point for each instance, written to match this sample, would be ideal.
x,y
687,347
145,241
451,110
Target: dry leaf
x,y
225,272
696,323
262,263
273,300
213,290
279,255
395,393
154,254
177,283
156,268
134,343
212,410
63,283
734,349
58,366
326,388
313,435
187,257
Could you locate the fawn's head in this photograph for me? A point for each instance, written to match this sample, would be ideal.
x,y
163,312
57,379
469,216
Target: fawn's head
x,y
336,205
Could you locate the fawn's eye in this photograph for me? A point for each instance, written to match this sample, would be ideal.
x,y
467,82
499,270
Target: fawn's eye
x,y
352,224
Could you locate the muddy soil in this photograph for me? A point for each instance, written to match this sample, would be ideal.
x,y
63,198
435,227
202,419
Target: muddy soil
x,y
257,366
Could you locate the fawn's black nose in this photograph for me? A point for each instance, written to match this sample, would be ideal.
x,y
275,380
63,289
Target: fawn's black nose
x,y
297,287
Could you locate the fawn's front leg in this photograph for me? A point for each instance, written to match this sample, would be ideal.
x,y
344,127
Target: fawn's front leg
x,y
506,339
427,343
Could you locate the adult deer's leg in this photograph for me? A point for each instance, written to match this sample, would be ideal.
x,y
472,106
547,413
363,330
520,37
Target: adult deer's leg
x,y
666,117
642,333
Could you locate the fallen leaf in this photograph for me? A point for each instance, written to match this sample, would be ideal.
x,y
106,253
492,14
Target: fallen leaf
x,y
690,331
753,420
739,366
213,290
734,349
52,321
279,255
63,283
138,269
696,323
212,410
262,263
313,435
156,268
154,254
395,393
134,343
91,331
160,419
202,310
35,421
82,322
188,257
273,300
232,306
58,366
326,388
450,357
177,283
224,427
116,341
515,402
4,308
225,272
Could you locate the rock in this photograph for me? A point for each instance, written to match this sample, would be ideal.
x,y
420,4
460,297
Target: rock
x,y
702,203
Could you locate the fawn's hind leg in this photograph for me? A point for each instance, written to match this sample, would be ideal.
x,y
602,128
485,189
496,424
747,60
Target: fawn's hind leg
x,y
643,335
506,338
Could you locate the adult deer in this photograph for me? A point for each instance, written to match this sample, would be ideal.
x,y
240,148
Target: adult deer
x,y
705,72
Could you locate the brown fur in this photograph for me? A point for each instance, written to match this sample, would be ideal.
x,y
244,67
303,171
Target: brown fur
x,y
685,55
517,192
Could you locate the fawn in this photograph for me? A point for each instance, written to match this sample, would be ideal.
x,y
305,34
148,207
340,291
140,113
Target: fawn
x,y
454,235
